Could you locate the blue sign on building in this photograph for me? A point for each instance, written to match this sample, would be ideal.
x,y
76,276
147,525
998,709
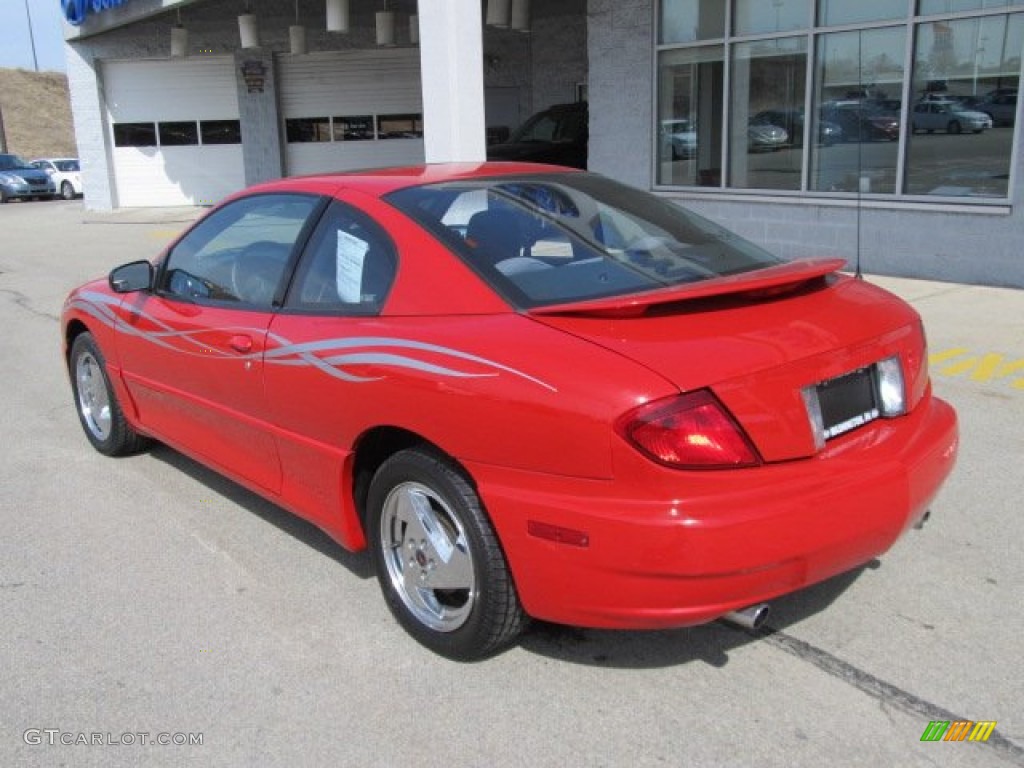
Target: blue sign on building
x,y
75,11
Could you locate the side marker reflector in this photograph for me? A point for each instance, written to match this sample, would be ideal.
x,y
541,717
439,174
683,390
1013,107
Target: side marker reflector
x,y
558,534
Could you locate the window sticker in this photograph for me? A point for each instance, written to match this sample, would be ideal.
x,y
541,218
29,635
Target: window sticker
x,y
351,255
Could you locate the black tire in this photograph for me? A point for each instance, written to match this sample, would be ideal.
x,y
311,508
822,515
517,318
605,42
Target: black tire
x,y
67,191
96,403
953,127
421,508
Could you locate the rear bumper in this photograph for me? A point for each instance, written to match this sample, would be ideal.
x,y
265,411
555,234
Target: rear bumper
x,y
668,548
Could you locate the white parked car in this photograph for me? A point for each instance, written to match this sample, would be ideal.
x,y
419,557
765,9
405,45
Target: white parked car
x,y
678,137
949,116
65,172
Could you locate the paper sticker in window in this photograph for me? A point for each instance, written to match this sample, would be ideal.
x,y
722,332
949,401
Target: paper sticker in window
x,y
351,255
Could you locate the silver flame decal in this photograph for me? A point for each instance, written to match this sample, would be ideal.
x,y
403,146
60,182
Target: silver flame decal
x,y
338,353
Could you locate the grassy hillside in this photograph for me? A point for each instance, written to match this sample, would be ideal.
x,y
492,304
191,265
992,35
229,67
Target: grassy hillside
x,y
37,113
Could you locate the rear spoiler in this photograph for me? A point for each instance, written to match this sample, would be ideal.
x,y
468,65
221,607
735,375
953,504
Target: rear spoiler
x,y
760,283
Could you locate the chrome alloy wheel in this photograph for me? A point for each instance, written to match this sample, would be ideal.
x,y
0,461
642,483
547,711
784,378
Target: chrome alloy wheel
x,y
93,396
427,556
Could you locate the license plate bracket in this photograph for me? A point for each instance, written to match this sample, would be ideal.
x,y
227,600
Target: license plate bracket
x,y
848,401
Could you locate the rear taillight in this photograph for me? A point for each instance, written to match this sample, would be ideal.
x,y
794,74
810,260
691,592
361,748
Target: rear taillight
x,y
692,431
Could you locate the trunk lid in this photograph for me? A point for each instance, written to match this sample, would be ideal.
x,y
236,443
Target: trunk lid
x,y
756,340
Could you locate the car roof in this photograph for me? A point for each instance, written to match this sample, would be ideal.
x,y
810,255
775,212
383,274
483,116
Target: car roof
x,y
381,181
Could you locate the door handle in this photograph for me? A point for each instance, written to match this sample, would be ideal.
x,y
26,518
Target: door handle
x,y
241,343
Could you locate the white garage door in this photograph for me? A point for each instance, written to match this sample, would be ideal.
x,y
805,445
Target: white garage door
x,y
351,109
175,130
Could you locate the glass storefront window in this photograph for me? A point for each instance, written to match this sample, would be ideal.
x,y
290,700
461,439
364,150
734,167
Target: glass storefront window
x,y
966,74
927,7
685,21
831,12
767,114
858,83
753,17
910,100
690,92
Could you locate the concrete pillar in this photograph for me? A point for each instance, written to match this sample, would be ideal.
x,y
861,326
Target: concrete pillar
x,y
91,132
256,81
451,66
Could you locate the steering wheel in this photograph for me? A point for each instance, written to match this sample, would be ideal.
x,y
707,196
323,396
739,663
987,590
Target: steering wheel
x,y
256,271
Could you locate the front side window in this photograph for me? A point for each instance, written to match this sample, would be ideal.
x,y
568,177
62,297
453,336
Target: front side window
x,y
239,253
551,239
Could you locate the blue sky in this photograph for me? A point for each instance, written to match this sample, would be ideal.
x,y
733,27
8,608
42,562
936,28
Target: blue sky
x,y
47,29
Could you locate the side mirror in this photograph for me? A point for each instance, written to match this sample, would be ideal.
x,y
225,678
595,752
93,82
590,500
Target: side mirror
x,y
136,276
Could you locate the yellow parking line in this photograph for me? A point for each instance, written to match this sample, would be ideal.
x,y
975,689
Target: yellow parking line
x,y
989,367
163,234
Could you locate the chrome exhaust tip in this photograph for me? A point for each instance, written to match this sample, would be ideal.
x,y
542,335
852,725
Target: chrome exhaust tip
x,y
751,617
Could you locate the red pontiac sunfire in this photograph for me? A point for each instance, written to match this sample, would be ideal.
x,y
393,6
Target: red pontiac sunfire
x,y
530,391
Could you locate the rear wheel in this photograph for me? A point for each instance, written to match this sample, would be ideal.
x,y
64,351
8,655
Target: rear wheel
x,y
437,558
67,191
98,409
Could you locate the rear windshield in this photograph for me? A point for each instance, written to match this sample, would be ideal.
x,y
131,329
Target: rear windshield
x,y
556,238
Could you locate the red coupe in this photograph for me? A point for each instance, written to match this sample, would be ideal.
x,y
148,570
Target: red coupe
x,y
530,391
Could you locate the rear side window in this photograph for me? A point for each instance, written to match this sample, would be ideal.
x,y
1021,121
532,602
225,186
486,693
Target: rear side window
x,y
348,266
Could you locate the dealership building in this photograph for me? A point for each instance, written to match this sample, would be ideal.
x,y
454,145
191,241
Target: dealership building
x,y
880,130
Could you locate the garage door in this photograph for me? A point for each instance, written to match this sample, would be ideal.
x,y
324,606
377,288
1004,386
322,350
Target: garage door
x,y
351,109
174,130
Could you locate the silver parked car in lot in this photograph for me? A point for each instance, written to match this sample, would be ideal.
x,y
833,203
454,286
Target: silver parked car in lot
x,y
949,116
18,179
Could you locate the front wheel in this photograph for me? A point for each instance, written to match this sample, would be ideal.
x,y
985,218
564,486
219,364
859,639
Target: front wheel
x,y
438,559
67,191
98,409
